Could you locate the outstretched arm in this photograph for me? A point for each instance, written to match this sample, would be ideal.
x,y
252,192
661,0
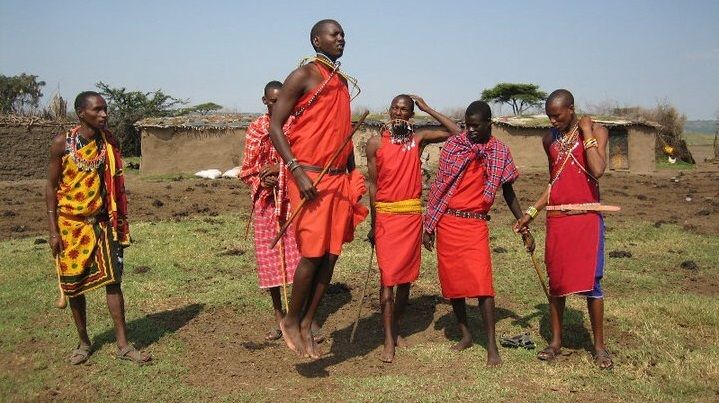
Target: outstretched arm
x,y
435,136
522,224
513,203
371,149
294,87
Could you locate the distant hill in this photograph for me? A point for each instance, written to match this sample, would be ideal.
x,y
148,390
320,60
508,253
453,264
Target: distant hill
x,y
700,126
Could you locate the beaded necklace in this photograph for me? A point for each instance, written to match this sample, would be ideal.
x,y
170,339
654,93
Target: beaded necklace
x,y
334,69
400,132
83,163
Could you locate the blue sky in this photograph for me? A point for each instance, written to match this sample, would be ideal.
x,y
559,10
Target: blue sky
x,y
629,52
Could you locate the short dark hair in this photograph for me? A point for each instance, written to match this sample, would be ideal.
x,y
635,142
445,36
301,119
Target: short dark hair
x,y
479,108
315,31
81,99
562,95
406,98
274,84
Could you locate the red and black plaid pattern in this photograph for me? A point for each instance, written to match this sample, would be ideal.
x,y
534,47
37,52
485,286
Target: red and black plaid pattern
x,y
456,155
269,265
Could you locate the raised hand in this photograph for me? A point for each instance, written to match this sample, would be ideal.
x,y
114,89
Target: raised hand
x,y
421,104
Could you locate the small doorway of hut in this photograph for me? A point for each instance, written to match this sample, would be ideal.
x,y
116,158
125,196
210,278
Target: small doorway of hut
x,y
618,149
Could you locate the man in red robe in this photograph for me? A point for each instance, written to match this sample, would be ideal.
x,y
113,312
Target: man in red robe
x,y
316,95
473,165
574,251
395,190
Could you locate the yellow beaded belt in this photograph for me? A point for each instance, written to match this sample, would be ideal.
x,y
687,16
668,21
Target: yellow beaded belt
x,y
409,206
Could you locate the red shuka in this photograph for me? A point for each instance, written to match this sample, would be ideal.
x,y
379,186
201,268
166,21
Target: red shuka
x,y
571,247
465,263
398,236
322,225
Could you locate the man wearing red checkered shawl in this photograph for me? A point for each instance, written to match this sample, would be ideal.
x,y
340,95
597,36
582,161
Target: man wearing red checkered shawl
x,y
260,169
473,166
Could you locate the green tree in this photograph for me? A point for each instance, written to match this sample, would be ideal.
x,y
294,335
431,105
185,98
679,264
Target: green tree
x,y
20,93
127,107
207,107
519,96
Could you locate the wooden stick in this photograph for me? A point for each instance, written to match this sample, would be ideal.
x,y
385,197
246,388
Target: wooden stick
x,y
364,292
61,302
282,257
319,178
539,275
583,207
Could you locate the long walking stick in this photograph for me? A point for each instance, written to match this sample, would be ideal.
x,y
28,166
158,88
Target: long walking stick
x,y
61,302
364,292
283,265
539,275
535,264
319,178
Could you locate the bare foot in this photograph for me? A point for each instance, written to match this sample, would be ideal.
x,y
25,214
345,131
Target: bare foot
x,y
401,342
388,352
311,347
493,359
292,337
317,333
465,343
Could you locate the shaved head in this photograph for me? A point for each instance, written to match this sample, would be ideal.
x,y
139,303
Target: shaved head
x,y
480,109
561,96
273,85
317,29
406,98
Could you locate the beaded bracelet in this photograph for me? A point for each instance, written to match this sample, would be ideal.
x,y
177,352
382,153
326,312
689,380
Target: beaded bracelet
x,y
293,164
589,143
532,212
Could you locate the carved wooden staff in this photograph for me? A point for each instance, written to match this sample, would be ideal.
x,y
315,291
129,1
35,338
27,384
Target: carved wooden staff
x,y
319,178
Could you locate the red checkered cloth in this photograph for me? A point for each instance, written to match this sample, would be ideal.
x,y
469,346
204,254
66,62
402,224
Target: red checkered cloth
x,y
259,152
269,268
456,154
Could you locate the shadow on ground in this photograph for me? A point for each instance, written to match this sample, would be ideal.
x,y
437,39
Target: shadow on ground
x,y
143,332
418,317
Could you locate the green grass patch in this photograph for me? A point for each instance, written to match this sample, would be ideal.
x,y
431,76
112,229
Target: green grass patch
x,y
662,323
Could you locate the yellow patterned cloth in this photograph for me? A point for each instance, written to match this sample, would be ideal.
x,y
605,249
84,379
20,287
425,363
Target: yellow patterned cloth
x,y
90,257
409,206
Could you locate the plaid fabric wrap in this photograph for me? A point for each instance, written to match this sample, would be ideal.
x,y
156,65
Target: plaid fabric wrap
x,y
259,152
456,154
269,264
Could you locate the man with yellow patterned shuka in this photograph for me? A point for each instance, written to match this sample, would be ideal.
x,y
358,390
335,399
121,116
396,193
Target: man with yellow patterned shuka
x,y
87,210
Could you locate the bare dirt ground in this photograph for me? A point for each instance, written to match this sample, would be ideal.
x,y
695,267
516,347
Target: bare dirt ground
x,y
689,198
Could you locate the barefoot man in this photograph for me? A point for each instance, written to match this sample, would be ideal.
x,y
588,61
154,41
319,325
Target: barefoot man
x,y
87,213
260,170
574,251
472,167
395,189
317,96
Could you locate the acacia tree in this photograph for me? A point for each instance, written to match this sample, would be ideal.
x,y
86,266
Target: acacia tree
x,y
19,93
519,96
127,107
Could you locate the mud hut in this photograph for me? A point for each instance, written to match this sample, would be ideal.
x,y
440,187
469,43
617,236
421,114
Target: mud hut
x,y
187,144
25,145
630,148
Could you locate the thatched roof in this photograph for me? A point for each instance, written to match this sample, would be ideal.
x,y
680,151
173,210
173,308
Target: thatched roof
x,y
542,122
242,120
200,122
